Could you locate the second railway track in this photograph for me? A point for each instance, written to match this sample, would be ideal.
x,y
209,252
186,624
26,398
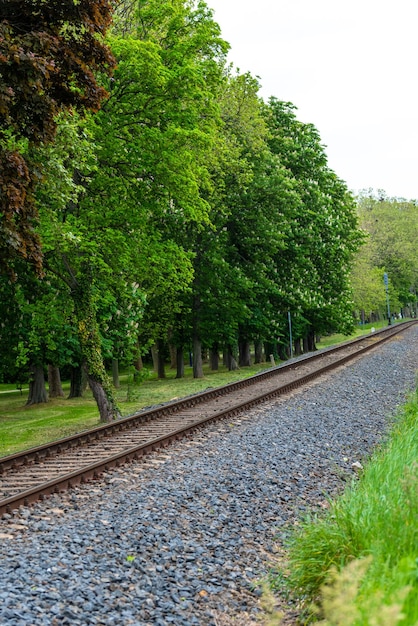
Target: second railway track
x,y
33,474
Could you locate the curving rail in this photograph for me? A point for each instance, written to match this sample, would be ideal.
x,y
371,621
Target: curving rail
x,y
33,474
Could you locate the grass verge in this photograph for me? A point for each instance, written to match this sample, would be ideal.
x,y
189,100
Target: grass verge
x,y
357,564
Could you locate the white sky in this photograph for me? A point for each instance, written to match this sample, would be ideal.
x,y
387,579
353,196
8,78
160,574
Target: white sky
x,y
350,68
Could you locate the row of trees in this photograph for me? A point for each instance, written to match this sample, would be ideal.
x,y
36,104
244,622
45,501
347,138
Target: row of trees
x,y
185,211
391,225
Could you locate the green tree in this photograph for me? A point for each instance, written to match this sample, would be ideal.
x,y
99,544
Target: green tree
x,y
392,228
209,309
159,135
138,165
323,235
74,253
367,284
256,191
36,332
219,301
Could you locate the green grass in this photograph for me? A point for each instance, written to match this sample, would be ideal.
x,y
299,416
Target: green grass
x,y
26,427
359,561
361,329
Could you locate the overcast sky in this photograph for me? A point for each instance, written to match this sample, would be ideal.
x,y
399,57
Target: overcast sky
x,y
350,68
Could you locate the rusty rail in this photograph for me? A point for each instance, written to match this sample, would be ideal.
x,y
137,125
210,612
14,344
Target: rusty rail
x,y
92,471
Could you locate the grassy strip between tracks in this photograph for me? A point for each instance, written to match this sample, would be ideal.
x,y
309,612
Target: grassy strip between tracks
x,y
357,563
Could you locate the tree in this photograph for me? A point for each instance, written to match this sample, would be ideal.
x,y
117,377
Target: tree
x,y
40,334
369,296
392,228
323,234
221,289
50,53
74,255
138,164
159,134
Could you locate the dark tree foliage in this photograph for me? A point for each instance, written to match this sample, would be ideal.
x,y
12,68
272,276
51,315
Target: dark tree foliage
x,y
50,54
17,212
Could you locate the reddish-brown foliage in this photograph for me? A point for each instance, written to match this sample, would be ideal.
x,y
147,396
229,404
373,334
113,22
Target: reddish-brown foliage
x,y
50,54
18,215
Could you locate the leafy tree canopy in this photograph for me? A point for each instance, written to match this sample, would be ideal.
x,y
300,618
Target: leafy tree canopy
x,y
50,53
392,228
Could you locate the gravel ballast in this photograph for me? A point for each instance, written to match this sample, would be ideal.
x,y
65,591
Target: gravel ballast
x,y
185,537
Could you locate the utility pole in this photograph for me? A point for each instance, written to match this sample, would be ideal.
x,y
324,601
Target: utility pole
x,y
386,281
289,319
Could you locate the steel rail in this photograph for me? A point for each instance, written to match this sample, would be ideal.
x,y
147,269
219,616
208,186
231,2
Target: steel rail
x,y
94,470
43,451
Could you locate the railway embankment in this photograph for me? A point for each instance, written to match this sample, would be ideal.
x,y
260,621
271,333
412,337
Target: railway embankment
x,y
185,536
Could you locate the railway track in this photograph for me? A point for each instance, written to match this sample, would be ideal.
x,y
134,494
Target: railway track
x,y
36,473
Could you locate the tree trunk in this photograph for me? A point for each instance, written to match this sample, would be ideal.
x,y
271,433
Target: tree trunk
x,y
231,360
214,358
305,344
244,358
160,359
54,382
197,358
298,346
37,388
138,364
106,408
115,373
173,356
258,351
89,337
76,382
179,362
311,340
